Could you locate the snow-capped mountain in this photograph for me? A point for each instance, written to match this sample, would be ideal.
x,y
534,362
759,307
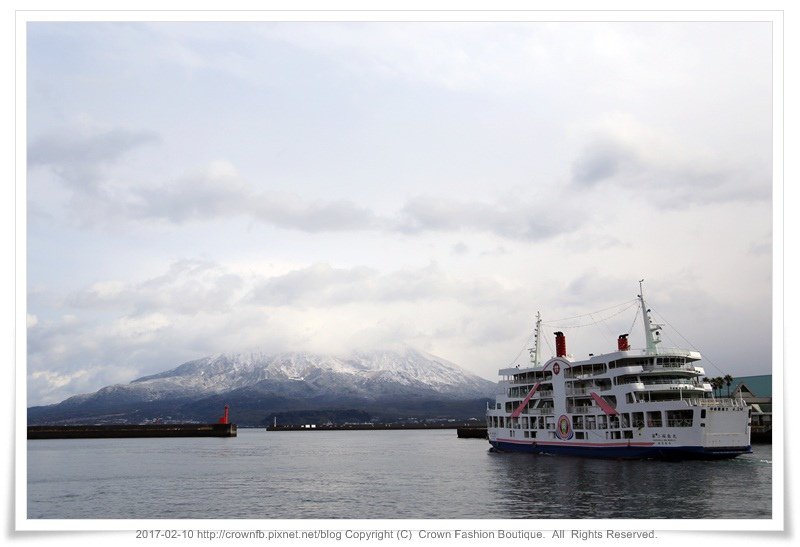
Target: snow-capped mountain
x,y
281,382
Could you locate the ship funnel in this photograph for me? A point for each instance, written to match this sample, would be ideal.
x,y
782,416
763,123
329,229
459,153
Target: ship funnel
x,y
561,344
622,343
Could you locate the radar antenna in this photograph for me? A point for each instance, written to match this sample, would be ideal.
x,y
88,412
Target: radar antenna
x,y
652,331
536,349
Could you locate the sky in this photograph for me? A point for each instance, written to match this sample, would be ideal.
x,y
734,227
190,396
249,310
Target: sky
x,y
204,187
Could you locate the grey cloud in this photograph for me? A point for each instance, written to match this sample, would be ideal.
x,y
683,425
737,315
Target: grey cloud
x,y
206,196
324,285
318,284
187,288
518,221
316,216
592,289
213,192
67,148
78,156
673,179
602,159
201,196
209,195
217,192
459,248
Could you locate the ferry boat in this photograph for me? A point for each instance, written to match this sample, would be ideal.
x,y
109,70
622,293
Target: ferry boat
x,y
632,403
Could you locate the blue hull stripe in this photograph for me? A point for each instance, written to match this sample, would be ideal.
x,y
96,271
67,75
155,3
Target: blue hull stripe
x,y
625,451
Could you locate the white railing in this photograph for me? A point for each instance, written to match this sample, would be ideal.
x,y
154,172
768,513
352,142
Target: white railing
x,y
538,395
530,383
727,403
581,409
576,391
585,390
538,411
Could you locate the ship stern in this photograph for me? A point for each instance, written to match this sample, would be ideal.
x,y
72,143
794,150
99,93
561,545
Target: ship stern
x,y
726,431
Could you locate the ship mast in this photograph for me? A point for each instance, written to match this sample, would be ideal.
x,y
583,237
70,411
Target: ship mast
x,y
535,350
651,330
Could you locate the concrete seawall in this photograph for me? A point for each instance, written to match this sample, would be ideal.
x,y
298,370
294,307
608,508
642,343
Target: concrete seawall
x,y
129,431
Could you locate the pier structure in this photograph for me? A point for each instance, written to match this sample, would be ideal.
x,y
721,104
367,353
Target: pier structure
x,y
130,431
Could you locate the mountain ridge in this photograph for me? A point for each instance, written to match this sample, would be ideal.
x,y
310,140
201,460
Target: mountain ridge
x,y
257,383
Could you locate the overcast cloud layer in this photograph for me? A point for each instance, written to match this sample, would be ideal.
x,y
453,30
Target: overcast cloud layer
x,y
196,188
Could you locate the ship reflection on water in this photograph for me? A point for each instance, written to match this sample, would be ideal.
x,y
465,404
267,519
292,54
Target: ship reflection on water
x,y
564,487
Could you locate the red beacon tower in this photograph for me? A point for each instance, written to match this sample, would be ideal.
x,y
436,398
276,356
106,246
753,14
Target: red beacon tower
x,y
224,419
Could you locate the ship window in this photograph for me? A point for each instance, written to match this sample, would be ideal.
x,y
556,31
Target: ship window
x,y
703,413
577,422
654,419
679,418
580,435
638,419
627,434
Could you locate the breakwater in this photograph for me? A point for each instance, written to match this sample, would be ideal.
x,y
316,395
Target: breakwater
x,y
463,431
120,431
358,427
473,433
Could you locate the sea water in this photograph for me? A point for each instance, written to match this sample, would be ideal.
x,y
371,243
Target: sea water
x,y
417,474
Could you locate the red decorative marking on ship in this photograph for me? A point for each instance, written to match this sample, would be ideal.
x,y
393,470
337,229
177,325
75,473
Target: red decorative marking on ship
x,y
524,402
603,404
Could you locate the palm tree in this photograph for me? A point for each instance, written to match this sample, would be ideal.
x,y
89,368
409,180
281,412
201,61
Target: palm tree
x,y
728,379
717,382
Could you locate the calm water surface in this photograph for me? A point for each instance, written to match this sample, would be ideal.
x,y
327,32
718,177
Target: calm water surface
x,y
376,474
